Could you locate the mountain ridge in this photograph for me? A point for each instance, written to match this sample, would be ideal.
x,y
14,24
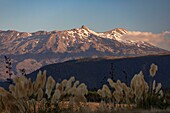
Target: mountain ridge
x,y
42,47
62,41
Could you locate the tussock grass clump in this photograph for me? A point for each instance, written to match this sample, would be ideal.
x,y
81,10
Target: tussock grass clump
x,y
42,95
139,93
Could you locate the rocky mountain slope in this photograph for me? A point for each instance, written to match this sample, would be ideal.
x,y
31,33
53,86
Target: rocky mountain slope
x,y
33,50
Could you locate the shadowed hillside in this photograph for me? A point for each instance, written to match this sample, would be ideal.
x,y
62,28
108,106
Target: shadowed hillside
x,y
94,72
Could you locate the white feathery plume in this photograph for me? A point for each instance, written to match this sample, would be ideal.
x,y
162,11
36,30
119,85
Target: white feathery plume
x,y
37,84
161,93
43,77
153,69
57,85
120,87
107,91
64,83
111,83
146,87
69,83
153,85
49,86
82,88
101,93
76,83
116,96
30,88
40,94
158,87
55,96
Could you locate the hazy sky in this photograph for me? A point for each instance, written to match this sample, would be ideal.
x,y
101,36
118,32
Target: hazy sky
x,y
99,15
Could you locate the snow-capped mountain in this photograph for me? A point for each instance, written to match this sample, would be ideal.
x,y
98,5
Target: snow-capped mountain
x,y
72,41
42,47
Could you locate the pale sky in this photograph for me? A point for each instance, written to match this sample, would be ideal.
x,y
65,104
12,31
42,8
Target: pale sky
x,y
99,15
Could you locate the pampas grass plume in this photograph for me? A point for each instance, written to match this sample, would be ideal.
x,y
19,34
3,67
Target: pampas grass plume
x,y
55,96
111,83
158,87
49,86
107,91
153,69
40,94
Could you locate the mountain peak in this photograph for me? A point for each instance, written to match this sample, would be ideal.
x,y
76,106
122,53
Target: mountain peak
x,y
121,30
84,27
118,30
89,30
